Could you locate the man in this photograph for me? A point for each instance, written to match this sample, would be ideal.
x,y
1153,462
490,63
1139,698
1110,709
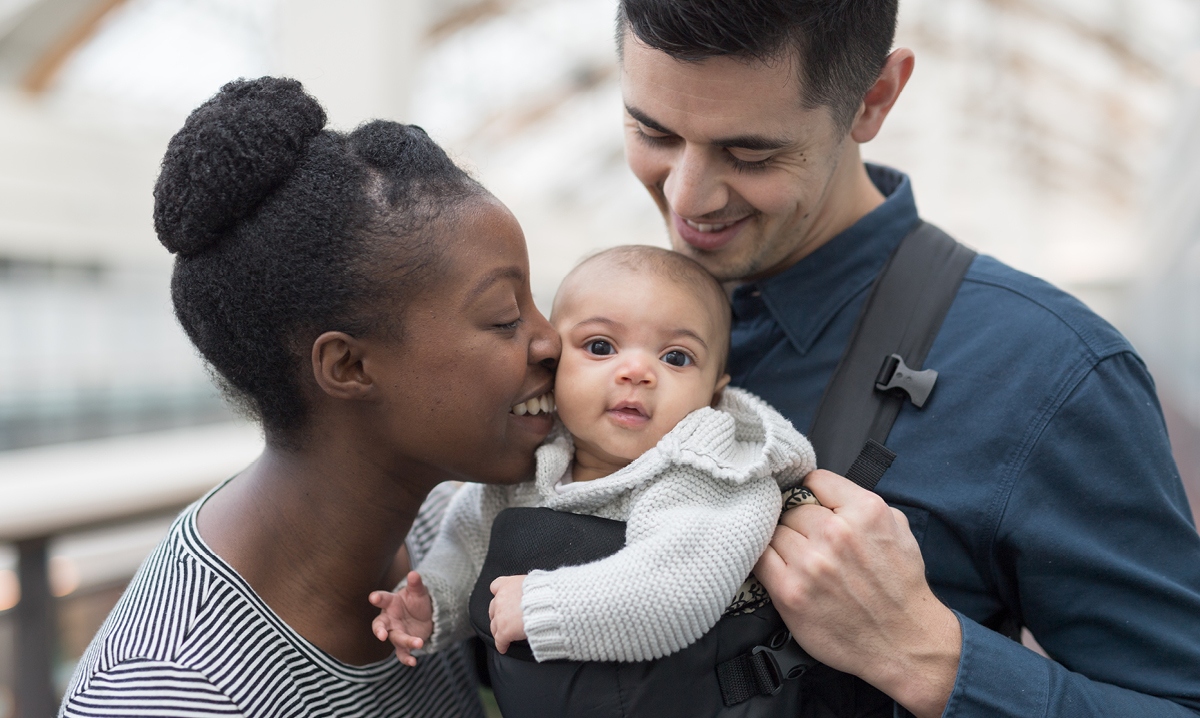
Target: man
x,y
1035,488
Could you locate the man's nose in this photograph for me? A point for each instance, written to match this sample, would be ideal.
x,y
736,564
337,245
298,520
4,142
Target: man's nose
x,y
695,185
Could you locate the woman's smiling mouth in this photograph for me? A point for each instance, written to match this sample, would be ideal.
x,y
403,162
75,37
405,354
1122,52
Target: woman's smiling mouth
x,y
543,404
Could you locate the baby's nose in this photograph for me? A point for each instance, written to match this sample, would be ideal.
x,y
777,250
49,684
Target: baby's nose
x,y
636,370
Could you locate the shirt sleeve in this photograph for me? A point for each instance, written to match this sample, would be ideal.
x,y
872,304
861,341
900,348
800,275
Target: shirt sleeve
x,y
149,688
1098,553
691,540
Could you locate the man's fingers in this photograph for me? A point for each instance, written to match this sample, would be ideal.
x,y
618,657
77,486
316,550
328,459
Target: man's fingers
x,y
833,491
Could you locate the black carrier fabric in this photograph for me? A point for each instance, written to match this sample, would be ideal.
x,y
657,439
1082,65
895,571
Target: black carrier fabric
x,y
899,321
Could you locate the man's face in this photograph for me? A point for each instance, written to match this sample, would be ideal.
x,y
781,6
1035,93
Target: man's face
x,y
740,169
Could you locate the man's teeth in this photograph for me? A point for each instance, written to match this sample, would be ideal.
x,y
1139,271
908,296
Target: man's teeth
x,y
543,404
706,227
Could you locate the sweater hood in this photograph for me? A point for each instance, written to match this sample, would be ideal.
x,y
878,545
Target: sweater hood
x,y
742,439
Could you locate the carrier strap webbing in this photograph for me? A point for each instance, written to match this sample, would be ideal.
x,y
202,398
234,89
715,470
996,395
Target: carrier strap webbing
x,y
902,316
894,331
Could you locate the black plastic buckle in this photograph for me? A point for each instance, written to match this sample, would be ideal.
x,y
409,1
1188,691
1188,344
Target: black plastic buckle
x,y
895,374
784,658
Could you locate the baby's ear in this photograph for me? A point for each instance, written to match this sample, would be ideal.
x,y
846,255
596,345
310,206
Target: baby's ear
x,y
719,390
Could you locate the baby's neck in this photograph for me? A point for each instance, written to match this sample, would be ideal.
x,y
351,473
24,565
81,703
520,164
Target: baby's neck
x,y
587,466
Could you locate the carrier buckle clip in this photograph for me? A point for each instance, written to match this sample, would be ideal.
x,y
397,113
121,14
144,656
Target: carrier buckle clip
x,y
784,660
895,374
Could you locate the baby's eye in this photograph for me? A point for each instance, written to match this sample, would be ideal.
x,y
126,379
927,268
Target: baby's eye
x,y
599,347
677,358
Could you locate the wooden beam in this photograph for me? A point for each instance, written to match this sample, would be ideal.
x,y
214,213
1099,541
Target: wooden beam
x,y
41,74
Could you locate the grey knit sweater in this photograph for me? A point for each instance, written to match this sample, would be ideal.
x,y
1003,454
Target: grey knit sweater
x,y
700,508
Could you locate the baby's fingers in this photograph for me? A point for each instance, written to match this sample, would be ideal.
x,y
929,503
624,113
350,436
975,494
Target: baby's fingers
x,y
415,586
405,644
381,599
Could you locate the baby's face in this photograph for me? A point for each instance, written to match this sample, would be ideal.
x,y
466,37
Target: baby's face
x,y
640,352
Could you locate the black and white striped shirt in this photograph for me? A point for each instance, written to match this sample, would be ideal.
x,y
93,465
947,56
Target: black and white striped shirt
x,y
190,638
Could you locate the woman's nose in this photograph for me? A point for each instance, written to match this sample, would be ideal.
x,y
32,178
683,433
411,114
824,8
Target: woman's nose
x,y
545,346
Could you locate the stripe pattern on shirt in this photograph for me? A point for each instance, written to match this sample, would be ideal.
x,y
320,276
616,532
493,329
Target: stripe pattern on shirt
x,y
190,638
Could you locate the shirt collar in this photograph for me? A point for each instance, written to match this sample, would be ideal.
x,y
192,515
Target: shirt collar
x,y
805,297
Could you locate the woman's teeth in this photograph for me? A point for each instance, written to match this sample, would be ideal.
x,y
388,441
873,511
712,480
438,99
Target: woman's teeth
x,y
706,227
543,404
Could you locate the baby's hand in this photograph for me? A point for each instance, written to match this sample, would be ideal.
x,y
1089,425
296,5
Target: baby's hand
x,y
508,623
405,617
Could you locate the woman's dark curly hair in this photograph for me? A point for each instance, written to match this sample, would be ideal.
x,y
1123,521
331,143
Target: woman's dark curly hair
x,y
283,230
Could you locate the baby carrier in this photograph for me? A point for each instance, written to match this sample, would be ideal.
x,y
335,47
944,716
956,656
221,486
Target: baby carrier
x,y
748,665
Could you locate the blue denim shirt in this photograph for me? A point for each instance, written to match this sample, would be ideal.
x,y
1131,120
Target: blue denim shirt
x,y
1038,478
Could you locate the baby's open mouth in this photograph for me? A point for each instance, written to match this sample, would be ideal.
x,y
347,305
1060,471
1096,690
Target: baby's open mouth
x,y
543,404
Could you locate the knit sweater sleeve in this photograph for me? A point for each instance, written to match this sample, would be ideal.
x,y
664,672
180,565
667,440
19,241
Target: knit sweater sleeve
x,y
691,540
451,567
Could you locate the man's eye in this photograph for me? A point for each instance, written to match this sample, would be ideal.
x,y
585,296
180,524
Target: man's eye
x,y
599,347
510,325
677,358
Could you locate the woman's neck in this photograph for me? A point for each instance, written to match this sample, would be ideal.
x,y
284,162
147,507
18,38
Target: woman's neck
x,y
314,533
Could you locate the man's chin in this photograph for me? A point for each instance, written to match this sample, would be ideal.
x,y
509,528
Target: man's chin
x,y
727,264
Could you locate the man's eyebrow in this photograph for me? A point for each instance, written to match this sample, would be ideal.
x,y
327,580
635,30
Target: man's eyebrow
x,y
645,119
511,272
758,143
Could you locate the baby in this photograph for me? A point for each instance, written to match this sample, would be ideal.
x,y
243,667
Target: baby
x,y
653,437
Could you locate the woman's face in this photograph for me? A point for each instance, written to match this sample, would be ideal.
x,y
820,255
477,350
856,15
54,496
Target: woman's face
x,y
473,346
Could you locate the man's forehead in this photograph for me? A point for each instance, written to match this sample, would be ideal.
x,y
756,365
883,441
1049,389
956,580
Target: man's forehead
x,y
721,90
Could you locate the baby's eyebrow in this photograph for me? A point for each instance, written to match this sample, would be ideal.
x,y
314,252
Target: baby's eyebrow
x,y
689,333
599,320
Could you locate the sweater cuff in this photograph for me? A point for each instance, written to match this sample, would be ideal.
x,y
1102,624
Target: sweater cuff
x,y
543,622
443,618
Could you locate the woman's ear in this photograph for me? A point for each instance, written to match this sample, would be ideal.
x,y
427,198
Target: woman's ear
x,y
719,390
337,364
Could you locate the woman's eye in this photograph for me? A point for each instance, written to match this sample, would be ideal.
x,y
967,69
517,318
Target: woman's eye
x,y
599,347
677,358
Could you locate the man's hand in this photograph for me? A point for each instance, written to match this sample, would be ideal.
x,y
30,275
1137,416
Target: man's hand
x,y
405,617
508,623
848,578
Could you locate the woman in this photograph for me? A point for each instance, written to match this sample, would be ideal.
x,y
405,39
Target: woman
x,y
369,304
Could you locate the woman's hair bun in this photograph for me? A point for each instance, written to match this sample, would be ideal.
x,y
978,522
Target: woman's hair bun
x,y
231,153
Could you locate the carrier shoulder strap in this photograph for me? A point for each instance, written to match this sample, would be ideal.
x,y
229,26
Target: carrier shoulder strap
x,y
881,364
893,334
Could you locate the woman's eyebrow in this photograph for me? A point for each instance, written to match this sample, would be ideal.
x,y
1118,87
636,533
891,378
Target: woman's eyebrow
x,y
512,272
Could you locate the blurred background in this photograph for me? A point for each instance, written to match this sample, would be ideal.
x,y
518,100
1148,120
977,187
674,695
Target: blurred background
x,y
1062,136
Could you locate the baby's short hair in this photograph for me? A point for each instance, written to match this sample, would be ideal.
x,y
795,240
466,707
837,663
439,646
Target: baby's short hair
x,y
677,268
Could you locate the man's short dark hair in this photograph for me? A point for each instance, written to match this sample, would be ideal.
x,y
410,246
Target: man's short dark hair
x,y
840,45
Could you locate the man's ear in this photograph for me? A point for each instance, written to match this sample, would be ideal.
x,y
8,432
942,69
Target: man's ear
x,y
882,96
337,365
720,390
